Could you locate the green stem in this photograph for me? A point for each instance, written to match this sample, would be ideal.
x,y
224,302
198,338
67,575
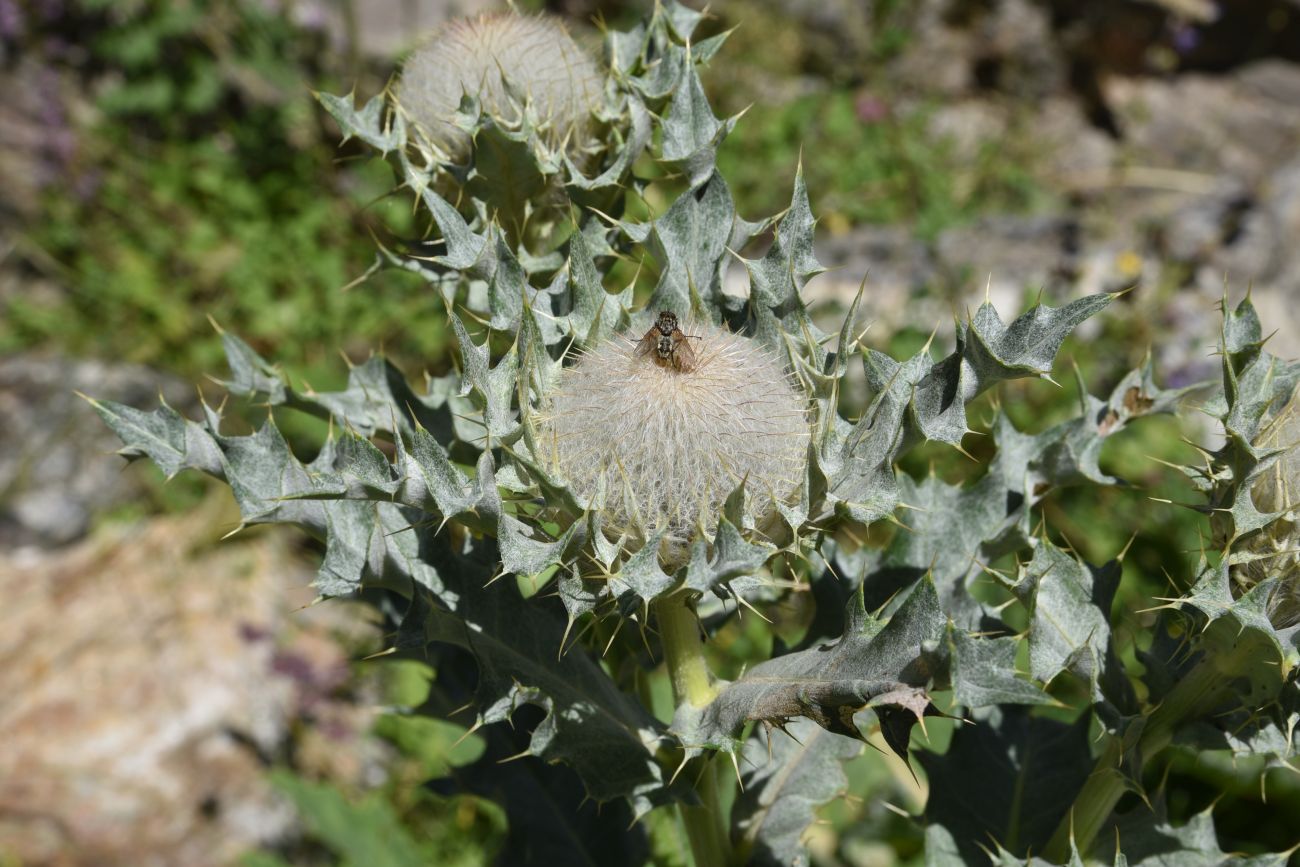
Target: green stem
x,y
679,632
1204,687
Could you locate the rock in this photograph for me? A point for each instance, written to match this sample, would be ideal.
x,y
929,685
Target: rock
x,y
1243,125
382,29
895,266
1074,152
1017,51
57,461
939,58
1009,255
969,126
1266,255
1192,232
150,673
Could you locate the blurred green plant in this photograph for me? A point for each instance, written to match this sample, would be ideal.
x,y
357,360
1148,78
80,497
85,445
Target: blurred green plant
x,y
402,823
876,164
206,185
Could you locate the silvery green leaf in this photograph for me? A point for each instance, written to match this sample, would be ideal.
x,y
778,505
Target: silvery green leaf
x,y
732,557
523,553
1147,838
952,529
593,314
1236,632
690,242
507,289
509,177
949,530
989,352
792,773
377,396
368,123
886,666
624,48
250,374
466,250
941,848
777,279
491,388
632,144
662,69
691,132
984,672
1069,607
681,18
1008,778
705,50
164,436
641,579
374,543
1271,732
1254,380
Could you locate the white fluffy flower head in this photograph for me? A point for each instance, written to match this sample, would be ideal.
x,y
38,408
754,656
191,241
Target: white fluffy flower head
x,y
669,445
477,56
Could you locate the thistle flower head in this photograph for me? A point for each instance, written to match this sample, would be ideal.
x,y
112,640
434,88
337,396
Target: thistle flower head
x,y
480,56
668,442
1275,552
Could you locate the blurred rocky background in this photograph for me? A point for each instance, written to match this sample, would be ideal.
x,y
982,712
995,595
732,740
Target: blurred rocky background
x,y
171,697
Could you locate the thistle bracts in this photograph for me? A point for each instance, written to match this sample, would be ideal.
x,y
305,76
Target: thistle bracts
x,y
1222,671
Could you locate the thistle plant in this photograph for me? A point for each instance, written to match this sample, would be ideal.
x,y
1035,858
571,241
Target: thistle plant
x,y
642,502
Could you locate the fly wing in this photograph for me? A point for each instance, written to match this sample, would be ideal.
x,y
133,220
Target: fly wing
x,y
683,356
646,344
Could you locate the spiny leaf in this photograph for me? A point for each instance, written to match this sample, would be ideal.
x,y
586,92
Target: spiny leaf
x,y
1147,838
602,732
779,276
690,243
984,672
377,396
793,773
692,133
732,557
1069,604
367,123
1009,779
885,666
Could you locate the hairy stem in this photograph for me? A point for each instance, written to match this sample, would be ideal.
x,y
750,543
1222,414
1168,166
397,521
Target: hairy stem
x,y
679,631
1204,688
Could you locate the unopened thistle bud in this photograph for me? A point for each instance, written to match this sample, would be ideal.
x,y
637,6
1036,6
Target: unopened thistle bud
x,y
669,429
478,56
1275,551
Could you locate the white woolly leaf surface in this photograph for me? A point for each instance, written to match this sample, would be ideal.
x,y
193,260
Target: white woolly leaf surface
x,y
671,445
477,56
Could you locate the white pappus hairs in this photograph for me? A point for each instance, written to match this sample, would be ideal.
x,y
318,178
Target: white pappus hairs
x,y
669,445
478,55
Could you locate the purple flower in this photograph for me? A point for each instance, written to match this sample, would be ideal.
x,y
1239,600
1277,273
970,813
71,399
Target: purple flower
x,y
1185,38
870,108
11,20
